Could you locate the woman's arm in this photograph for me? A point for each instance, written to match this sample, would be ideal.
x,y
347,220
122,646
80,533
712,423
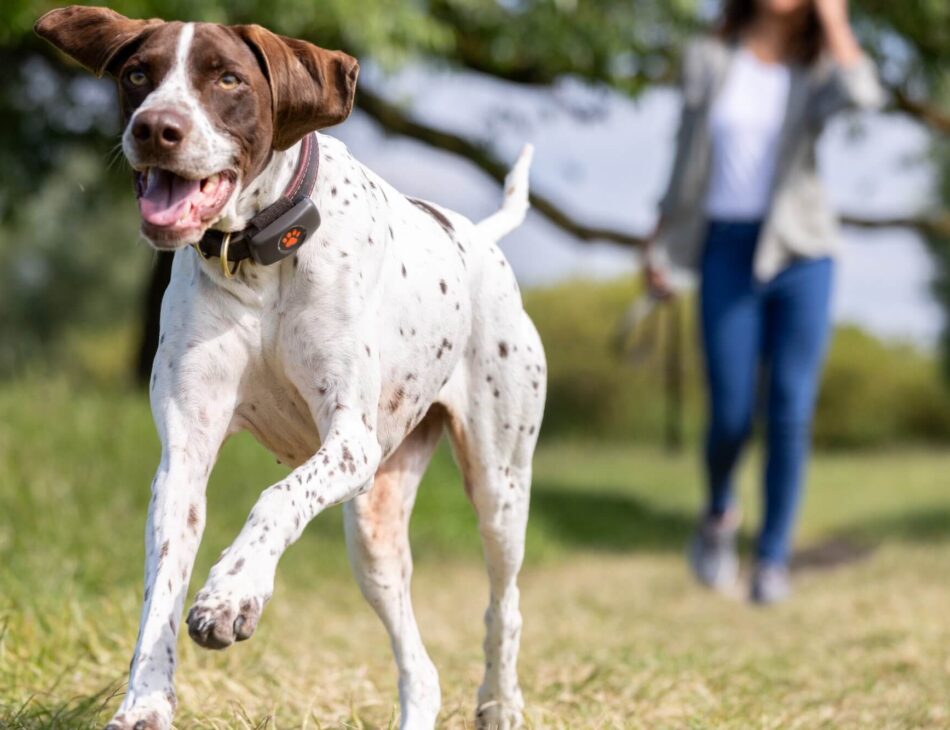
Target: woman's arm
x,y
692,88
852,79
839,38
691,85
655,264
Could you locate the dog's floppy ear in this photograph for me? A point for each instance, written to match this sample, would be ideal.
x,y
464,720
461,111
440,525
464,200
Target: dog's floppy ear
x,y
311,88
92,36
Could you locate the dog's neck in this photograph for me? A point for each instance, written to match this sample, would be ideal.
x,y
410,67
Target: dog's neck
x,y
263,190
253,281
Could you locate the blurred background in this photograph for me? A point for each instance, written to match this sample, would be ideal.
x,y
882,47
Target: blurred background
x,y
449,91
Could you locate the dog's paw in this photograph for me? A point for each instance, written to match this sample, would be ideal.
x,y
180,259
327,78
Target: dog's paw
x,y
141,720
499,715
219,619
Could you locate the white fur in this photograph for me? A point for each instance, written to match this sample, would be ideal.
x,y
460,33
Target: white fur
x,y
332,359
206,150
513,212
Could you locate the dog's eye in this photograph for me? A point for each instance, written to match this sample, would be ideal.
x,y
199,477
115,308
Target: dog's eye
x,y
137,78
228,81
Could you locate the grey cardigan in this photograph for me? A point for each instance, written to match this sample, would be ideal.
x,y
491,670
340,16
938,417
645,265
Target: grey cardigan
x,y
799,223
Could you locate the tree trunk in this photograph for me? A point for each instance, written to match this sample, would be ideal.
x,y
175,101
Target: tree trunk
x,y
151,315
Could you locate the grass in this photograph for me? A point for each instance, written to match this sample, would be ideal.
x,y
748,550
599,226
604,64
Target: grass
x,y
616,635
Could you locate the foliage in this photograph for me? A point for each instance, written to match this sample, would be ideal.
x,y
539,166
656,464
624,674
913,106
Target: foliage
x,y
872,393
591,391
53,117
940,245
67,262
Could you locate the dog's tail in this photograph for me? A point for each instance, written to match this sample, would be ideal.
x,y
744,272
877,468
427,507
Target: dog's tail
x,y
515,205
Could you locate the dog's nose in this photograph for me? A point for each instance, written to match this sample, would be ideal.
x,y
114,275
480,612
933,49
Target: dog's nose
x,y
160,129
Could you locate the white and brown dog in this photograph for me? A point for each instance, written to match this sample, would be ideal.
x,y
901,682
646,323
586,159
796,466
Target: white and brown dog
x,y
344,346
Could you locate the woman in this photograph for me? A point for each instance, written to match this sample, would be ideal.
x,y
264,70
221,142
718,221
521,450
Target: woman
x,y
745,210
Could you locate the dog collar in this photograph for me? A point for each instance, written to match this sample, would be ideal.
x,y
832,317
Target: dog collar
x,y
278,230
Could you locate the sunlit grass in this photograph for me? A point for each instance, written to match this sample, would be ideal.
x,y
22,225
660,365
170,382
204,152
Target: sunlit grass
x,y
615,633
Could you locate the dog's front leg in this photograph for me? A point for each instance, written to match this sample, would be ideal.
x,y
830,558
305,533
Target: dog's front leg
x,y
192,429
227,609
175,521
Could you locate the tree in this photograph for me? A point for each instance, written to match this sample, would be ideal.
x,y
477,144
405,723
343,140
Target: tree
x,y
624,45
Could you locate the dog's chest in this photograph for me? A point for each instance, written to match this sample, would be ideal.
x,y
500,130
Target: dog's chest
x,y
373,317
277,415
272,408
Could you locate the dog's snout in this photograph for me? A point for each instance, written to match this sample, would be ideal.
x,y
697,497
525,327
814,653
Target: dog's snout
x,y
160,130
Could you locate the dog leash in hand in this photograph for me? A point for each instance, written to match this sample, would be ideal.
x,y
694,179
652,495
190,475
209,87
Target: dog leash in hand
x,y
278,230
635,335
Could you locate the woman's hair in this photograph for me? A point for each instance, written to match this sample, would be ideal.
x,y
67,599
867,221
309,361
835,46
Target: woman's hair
x,y
737,15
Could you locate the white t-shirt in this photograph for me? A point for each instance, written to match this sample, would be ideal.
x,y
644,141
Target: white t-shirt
x,y
745,125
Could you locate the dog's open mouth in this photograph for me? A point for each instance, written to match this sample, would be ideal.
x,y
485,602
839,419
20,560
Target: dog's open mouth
x,y
177,208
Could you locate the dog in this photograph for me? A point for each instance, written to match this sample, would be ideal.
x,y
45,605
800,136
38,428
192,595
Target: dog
x,y
342,324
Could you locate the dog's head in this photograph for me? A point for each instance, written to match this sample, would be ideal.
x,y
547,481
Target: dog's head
x,y
203,105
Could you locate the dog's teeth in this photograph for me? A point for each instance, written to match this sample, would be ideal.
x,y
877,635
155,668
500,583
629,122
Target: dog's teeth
x,y
211,184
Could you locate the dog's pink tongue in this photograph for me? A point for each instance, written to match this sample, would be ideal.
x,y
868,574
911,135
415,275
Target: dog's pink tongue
x,y
166,197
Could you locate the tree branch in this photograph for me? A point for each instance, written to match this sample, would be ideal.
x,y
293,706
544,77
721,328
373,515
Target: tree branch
x,y
936,225
394,120
929,115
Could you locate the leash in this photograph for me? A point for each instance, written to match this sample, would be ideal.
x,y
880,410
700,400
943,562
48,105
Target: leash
x,y
636,334
278,230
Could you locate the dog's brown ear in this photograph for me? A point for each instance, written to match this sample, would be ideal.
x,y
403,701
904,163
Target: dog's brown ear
x,y
92,36
311,88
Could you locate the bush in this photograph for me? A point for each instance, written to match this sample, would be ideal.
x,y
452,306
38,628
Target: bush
x,y
591,390
872,393
70,259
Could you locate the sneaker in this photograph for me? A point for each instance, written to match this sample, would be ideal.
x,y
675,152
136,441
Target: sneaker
x,y
770,584
712,552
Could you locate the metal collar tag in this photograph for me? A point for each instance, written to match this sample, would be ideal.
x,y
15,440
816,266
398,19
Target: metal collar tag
x,y
284,235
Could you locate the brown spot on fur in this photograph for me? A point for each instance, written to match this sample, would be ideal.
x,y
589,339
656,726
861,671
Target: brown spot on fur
x,y
193,517
503,349
382,517
396,400
446,345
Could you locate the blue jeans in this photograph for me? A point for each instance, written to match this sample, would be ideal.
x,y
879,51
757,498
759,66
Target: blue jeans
x,y
780,327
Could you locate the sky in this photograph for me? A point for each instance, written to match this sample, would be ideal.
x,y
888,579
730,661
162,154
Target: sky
x,y
605,159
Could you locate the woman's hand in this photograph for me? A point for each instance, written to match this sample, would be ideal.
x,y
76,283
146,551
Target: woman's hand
x,y
658,281
832,12
657,277
839,39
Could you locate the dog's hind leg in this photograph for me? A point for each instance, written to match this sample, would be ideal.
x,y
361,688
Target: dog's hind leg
x,y
377,538
494,431
499,491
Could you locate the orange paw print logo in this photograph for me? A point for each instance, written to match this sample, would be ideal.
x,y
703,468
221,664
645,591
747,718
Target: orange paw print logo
x,y
291,238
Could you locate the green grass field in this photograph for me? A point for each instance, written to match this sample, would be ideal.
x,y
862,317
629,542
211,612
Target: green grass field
x,y
615,635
